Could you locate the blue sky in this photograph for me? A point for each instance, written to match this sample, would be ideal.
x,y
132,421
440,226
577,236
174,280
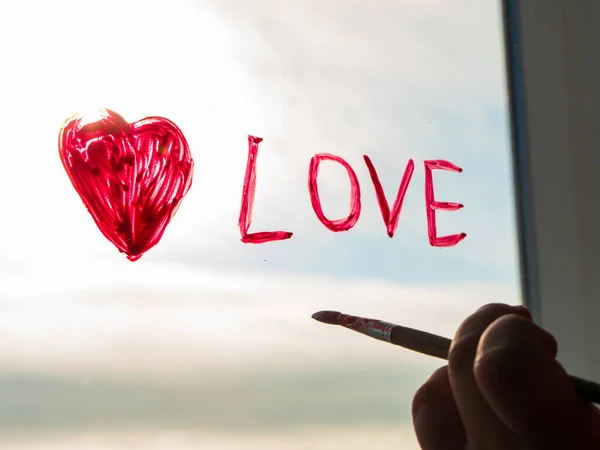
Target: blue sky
x,y
391,79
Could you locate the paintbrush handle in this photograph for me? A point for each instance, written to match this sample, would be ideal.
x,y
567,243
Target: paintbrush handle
x,y
421,341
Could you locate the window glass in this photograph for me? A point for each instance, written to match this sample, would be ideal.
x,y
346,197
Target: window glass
x,y
206,341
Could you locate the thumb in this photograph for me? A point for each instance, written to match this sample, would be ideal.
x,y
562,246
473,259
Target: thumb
x,y
529,390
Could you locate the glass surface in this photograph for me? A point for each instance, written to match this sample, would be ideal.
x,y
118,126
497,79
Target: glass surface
x,y
207,342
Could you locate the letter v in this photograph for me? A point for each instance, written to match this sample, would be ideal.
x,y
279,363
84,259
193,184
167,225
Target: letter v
x,y
390,218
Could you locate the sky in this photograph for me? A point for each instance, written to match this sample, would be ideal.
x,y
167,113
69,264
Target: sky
x,y
206,339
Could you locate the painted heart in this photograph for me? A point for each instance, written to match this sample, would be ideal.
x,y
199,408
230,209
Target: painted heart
x,y
131,177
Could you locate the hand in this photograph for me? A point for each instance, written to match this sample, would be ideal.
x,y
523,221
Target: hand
x,y
503,390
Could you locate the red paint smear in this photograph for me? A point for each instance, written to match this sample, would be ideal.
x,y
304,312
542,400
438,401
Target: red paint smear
x,y
432,205
390,218
360,324
131,177
248,201
313,171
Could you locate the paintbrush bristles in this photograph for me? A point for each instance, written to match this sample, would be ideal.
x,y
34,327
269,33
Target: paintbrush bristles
x,y
328,317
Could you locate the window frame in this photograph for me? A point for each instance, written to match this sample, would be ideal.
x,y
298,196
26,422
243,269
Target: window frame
x,y
553,64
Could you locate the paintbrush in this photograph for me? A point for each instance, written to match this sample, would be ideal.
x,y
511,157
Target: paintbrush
x,y
423,342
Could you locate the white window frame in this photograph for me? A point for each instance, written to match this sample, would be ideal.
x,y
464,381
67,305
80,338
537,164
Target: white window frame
x,y
553,65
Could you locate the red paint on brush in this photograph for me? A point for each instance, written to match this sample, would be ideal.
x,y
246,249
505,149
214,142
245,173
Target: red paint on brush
x,y
431,205
335,225
246,208
371,327
131,177
360,324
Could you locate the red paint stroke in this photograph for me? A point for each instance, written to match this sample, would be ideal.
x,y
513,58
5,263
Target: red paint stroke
x,y
370,327
313,189
360,324
432,205
131,177
248,201
390,218
374,328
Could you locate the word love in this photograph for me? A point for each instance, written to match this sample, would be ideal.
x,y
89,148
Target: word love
x,y
390,216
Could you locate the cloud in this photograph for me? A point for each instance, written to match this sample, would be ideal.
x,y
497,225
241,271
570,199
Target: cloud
x,y
230,402
169,317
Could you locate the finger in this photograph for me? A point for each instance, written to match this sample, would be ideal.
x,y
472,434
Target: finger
x,y
435,416
529,390
480,421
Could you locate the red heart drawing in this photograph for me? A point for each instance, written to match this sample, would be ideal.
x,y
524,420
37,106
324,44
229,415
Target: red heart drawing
x,y
131,177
